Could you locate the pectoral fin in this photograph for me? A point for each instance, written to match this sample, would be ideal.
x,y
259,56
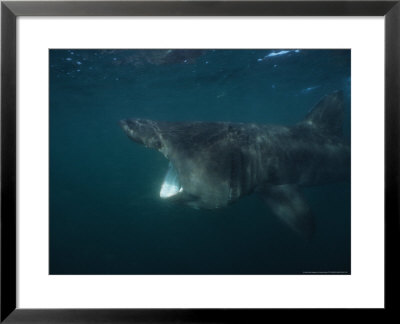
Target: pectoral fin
x,y
288,204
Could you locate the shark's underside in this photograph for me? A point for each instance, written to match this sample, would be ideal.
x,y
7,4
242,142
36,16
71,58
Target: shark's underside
x,y
212,164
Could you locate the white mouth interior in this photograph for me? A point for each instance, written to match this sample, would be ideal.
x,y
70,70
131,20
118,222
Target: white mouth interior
x,y
170,186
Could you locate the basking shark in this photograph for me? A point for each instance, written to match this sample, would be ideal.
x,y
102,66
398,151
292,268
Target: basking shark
x,y
213,164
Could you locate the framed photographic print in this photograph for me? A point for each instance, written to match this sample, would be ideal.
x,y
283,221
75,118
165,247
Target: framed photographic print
x,y
197,161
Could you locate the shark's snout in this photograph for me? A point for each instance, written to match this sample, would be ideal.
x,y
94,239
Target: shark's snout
x,y
142,131
129,129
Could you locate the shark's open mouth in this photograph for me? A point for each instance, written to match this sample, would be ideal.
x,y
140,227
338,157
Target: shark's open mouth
x,y
171,185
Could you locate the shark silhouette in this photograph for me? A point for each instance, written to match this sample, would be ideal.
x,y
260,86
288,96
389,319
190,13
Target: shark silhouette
x,y
213,164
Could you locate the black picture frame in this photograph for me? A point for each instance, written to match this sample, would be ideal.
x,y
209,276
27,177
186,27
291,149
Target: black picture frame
x,y
10,10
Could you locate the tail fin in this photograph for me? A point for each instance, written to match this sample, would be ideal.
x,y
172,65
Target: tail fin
x,y
327,115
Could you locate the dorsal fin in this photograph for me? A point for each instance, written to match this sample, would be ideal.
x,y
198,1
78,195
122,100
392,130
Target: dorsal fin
x,y
327,115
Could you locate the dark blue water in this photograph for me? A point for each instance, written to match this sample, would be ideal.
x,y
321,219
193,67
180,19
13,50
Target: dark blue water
x,y
106,216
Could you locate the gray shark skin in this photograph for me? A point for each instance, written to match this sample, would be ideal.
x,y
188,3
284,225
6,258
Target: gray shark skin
x,y
217,163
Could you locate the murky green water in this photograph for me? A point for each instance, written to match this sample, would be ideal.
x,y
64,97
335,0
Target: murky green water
x,y
106,215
